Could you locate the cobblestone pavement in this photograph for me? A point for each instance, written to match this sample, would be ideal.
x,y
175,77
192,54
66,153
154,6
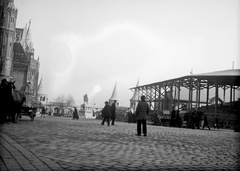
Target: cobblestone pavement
x,y
58,143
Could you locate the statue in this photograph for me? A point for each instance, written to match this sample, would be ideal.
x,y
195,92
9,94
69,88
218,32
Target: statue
x,y
85,99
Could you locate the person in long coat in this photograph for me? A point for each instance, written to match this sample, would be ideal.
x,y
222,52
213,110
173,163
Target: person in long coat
x,y
106,113
113,111
205,122
75,114
141,116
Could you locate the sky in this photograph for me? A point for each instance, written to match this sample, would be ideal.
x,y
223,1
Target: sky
x,y
88,46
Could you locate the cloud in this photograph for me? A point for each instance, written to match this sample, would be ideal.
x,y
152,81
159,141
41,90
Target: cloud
x,y
97,89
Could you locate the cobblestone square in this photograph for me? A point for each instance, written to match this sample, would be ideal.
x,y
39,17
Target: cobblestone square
x,y
59,143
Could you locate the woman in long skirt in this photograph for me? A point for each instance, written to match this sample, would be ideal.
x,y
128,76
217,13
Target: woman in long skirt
x,y
75,114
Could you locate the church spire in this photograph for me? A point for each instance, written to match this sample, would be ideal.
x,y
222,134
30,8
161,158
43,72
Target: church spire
x,y
114,96
134,99
28,39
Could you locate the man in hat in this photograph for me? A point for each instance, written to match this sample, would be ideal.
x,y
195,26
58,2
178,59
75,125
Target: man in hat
x,y
113,111
106,113
141,116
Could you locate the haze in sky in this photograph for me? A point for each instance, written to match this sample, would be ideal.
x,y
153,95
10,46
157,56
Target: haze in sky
x,y
86,46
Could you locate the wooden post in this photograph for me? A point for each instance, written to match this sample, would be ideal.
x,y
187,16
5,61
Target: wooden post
x,y
190,95
171,100
174,100
155,98
199,96
159,98
231,98
207,95
216,97
179,91
196,103
164,99
233,93
224,94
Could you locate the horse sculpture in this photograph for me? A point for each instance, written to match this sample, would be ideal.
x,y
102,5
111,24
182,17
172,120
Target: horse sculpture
x,y
11,101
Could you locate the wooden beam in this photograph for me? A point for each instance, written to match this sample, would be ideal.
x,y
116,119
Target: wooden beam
x,y
216,97
179,90
231,97
207,95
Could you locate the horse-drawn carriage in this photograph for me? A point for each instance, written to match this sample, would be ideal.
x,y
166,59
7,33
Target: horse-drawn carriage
x,y
15,103
29,107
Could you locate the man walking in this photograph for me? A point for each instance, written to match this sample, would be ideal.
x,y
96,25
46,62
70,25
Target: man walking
x,y
141,116
106,113
113,111
205,122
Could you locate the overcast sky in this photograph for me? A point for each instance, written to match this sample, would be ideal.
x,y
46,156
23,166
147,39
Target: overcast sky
x,y
86,46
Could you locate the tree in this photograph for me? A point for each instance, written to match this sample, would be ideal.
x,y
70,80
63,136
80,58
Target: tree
x,y
61,101
70,100
65,101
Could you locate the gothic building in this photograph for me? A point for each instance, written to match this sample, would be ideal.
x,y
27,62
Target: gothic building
x,y
17,52
25,68
8,18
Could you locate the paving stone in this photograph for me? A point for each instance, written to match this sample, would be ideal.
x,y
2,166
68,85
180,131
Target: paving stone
x,y
60,143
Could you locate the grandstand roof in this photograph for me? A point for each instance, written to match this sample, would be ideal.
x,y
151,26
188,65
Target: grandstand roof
x,y
224,77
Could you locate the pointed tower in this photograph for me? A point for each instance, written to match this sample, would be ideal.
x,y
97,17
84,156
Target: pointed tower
x,y
134,99
114,96
28,41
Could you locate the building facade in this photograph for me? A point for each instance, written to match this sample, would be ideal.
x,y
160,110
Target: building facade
x,y
17,52
8,18
25,68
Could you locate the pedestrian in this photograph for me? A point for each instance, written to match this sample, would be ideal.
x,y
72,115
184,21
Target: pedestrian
x,y
194,119
216,124
75,114
43,112
178,119
141,116
205,122
129,116
199,118
113,111
173,118
106,113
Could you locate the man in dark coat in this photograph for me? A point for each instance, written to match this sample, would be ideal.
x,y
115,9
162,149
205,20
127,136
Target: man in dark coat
x,y
113,111
205,122
141,116
106,113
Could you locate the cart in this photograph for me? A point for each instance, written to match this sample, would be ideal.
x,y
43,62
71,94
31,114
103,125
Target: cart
x,y
29,108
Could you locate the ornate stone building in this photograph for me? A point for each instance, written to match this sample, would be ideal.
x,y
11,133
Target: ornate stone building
x,y
17,52
25,69
8,18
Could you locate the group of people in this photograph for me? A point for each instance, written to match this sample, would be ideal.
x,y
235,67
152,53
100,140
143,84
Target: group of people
x,y
197,119
109,112
45,111
142,111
